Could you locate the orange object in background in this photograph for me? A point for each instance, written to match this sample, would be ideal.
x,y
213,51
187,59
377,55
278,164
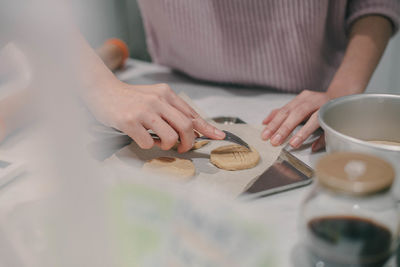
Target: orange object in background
x,y
114,52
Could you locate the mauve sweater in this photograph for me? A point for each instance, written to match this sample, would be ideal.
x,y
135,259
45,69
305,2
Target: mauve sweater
x,y
287,45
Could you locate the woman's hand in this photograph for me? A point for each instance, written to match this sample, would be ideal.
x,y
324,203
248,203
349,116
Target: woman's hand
x,y
135,109
368,38
281,122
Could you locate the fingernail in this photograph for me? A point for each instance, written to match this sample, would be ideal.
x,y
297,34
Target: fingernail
x,y
219,133
266,134
276,140
296,142
316,147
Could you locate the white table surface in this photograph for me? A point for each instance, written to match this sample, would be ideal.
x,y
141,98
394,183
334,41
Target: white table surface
x,y
250,104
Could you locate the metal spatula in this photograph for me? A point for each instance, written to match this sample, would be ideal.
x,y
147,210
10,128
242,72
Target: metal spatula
x,y
230,137
287,172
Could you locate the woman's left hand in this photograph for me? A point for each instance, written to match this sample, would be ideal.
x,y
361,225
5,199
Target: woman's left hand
x,y
281,122
368,38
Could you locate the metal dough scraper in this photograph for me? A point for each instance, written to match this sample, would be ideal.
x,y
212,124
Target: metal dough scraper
x,y
287,172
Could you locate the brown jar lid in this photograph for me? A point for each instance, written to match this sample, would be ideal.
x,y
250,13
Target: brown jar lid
x,y
354,173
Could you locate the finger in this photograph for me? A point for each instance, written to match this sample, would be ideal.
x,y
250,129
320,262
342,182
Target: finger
x,y
319,144
305,131
207,129
199,123
182,124
289,106
271,115
140,135
274,125
165,92
167,134
304,95
279,117
181,105
176,112
295,118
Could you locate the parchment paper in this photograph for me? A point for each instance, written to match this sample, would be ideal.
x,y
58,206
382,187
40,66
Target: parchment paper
x,y
231,182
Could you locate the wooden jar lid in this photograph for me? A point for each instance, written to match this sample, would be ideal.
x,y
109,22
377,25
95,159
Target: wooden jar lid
x,y
354,173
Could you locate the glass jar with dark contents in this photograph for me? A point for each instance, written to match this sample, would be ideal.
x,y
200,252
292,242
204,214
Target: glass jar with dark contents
x,y
350,218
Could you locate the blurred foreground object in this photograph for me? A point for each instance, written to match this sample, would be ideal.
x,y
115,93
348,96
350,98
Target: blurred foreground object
x,y
160,224
114,52
350,218
14,91
13,112
15,77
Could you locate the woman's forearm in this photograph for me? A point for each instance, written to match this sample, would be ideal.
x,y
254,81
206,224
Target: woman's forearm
x,y
367,42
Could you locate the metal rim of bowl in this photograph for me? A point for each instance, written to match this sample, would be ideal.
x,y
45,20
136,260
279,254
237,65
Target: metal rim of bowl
x,y
348,98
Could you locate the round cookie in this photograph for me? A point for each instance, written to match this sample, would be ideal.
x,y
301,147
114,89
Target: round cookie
x,y
200,144
197,145
182,169
234,157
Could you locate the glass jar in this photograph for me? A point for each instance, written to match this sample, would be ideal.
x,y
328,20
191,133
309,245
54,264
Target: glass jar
x,y
350,217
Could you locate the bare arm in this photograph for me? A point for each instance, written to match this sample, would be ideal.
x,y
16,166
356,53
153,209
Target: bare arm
x,y
131,108
134,109
368,38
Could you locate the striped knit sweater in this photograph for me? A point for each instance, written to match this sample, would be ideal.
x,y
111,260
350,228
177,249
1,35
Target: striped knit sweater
x,y
287,45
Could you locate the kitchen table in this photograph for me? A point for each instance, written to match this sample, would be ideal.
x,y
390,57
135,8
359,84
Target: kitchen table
x,y
249,104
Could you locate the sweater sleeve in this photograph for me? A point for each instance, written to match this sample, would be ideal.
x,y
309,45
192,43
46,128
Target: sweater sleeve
x,y
387,8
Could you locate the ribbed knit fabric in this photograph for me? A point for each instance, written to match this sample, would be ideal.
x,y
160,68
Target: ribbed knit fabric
x,y
287,45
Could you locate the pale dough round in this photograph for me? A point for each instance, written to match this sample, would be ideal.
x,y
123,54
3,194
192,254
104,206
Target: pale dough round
x,y
389,143
181,169
234,157
200,144
197,144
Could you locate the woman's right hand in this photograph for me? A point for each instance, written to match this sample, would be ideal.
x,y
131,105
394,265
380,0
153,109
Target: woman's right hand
x,y
134,109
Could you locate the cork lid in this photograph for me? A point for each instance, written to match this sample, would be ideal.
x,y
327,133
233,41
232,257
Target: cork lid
x,y
354,173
